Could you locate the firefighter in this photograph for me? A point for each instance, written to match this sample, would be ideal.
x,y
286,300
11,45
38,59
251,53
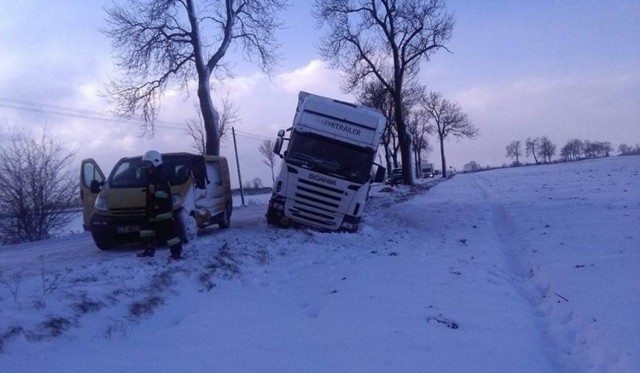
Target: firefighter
x,y
158,224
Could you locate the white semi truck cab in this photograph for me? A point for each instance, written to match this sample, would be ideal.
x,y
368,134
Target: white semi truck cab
x,y
328,165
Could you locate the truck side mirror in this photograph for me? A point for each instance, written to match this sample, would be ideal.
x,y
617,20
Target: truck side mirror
x,y
94,187
277,147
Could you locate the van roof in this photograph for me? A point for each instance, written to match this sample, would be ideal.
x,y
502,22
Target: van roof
x,y
206,157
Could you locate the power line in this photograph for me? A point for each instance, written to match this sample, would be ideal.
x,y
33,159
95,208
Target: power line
x,y
76,113
251,135
38,107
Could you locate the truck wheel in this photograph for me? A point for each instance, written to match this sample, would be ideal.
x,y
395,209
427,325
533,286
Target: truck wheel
x,y
101,242
274,218
188,227
271,217
225,221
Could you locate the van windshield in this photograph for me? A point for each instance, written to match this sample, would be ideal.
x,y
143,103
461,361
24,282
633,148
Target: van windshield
x,y
128,172
330,157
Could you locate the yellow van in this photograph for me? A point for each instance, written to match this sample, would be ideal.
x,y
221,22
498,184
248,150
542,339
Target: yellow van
x,y
114,207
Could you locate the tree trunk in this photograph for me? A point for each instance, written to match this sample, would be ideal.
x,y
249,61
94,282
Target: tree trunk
x,y
210,117
405,145
444,162
273,176
209,114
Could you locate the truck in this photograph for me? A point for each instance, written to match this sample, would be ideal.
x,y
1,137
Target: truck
x,y
113,208
328,165
427,170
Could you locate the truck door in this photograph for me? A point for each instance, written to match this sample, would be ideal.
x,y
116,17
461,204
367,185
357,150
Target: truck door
x,y
91,179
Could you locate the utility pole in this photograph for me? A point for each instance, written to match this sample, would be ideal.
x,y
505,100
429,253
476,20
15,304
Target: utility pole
x,y
235,147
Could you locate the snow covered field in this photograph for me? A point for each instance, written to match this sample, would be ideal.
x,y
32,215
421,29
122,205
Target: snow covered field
x,y
531,269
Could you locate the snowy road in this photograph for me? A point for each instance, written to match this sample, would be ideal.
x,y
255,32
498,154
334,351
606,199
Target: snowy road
x,y
534,269
78,250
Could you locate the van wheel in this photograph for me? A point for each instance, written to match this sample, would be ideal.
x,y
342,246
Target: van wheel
x,y
101,242
188,227
225,221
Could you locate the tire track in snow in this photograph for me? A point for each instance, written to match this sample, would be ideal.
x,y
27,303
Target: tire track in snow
x,y
563,330
467,278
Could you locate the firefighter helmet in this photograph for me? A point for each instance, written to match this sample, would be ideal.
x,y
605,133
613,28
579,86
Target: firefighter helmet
x,y
153,156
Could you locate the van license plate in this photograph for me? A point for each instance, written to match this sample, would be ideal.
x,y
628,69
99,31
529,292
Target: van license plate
x,y
128,229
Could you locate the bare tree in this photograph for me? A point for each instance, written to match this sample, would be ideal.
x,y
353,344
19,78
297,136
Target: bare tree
x,y
195,128
375,94
386,40
419,126
256,183
597,149
514,150
472,166
269,157
448,121
168,43
546,149
531,148
37,188
625,149
572,150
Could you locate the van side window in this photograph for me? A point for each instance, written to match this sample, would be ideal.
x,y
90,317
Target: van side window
x,y
213,170
89,174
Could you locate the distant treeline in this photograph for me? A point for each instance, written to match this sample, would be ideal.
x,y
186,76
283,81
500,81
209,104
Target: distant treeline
x,y
251,191
542,150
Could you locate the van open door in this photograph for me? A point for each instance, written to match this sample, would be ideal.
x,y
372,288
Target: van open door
x,y
219,191
91,181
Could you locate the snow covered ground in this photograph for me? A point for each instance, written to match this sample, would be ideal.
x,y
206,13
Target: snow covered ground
x,y
531,269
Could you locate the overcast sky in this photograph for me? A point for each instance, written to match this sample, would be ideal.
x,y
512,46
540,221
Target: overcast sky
x,y
565,69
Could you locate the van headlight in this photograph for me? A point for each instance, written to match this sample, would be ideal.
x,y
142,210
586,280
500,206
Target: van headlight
x,y
101,203
176,199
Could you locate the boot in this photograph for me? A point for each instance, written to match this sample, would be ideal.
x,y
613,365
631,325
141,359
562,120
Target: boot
x,y
147,252
176,252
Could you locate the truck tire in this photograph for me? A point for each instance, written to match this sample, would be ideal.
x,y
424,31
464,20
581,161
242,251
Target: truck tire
x,y
225,220
271,217
275,218
188,226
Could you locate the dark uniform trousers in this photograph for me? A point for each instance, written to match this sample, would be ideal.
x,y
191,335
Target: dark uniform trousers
x,y
159,225
154,232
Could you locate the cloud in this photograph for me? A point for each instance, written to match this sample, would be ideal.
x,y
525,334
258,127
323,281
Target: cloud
x,y
315,76
596,107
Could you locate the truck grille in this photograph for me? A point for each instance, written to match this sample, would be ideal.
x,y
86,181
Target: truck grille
x,y
317,204
128,211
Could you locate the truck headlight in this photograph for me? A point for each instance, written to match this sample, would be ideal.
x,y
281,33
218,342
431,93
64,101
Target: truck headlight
x,y
101,203
349,226
350,223
277,203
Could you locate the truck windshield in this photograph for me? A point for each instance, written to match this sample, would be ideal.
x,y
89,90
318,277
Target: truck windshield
x,y
128,172
331,157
